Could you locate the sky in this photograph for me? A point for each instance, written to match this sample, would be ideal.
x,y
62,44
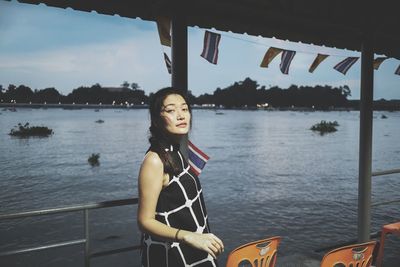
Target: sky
x,y
43,47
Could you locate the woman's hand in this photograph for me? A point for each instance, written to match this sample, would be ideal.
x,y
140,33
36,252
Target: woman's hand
x,y
207,242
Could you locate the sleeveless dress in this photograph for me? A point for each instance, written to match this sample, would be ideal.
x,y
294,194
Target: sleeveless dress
x,y
180,205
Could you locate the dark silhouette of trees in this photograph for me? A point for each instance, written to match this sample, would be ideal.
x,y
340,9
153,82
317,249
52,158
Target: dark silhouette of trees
x,y
92,95
345,90
97,94
20,94
135,86
48,95
239,94
191,98
304,96
247,93
9,93
23,94
125,84
83,95
204,99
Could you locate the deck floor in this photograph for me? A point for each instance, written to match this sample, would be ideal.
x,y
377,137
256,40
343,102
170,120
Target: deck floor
x,y
297,260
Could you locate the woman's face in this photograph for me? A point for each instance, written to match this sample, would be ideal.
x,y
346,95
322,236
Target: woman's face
x,y
175,114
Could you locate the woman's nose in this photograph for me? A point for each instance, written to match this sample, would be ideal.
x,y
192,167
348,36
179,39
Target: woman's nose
x,y
180,115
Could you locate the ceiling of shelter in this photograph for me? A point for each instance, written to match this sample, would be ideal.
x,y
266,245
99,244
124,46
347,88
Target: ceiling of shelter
x,y
342,24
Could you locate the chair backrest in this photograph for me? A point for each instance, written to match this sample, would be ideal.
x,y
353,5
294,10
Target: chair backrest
x,y
260,253
357,255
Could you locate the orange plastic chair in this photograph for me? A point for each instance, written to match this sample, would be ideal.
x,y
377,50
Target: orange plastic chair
x,y
393,228
353,255
260,253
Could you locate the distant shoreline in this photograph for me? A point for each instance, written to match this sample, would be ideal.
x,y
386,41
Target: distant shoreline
x,y
145,106
71,106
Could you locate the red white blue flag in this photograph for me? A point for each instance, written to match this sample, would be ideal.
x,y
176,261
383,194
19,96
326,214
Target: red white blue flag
x,y
344,65
397,70
197,159
286,59
167,63
210,48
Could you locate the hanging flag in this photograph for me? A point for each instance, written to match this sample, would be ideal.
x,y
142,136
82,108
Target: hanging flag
x,y
286,59
168,63
197,158
164,29
344,65
317,61
378,61
397,70
210,49
271,53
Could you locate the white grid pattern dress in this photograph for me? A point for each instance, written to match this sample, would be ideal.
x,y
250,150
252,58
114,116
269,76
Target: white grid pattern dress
x,y
180,205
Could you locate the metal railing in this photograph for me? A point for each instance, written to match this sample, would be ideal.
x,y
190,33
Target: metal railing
x,y
374,234
381,173
385,172
86,241
115,203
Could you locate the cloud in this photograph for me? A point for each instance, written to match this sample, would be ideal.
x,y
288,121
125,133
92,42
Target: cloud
x,y
28,27
110,64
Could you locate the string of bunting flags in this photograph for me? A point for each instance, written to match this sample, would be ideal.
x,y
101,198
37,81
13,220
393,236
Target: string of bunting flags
x,y
212,40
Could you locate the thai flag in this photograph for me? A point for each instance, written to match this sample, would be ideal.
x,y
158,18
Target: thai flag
x,y
210,48
197,158
287,57
167,63
344,65
397,70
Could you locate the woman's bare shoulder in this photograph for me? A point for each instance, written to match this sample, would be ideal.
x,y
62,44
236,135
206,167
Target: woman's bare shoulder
x,y
152,168
152,160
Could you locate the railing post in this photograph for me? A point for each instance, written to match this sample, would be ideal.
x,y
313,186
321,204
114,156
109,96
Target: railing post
x,y
87,243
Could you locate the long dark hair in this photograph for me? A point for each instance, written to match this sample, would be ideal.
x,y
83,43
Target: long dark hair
x,y
159,138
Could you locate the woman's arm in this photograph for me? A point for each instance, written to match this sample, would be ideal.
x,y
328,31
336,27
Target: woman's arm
x,y
151,179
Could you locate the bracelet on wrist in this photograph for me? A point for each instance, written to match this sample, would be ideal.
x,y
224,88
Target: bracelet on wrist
x,y
176,235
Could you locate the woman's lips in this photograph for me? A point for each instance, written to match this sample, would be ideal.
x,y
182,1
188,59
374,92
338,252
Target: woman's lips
x,y
181,125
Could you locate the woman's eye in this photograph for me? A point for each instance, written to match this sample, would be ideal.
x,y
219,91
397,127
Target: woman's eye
x,y
169,110
185,109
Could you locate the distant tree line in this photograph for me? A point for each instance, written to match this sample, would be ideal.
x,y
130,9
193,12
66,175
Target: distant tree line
x,y
94,94
246,93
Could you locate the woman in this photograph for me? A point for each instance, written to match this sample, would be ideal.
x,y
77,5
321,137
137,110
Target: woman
x,y
171,212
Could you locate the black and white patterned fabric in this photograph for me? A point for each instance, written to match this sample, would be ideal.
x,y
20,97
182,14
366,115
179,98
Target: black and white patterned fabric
x,y
180,205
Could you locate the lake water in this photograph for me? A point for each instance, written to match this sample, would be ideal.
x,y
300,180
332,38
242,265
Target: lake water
x,y
268,175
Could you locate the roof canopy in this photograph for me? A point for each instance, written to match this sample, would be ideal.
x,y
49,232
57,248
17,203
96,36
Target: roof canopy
x,y
334,23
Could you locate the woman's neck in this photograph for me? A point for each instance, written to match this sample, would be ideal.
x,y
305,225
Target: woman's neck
x,y
174,139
